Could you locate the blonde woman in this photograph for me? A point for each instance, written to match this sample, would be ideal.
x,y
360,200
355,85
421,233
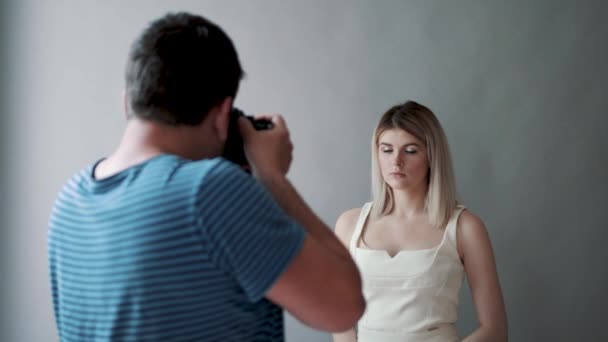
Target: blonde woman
x,y
414,242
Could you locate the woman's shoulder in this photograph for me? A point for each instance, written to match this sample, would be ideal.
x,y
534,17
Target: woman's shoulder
x,y
471,228
468,220
346,223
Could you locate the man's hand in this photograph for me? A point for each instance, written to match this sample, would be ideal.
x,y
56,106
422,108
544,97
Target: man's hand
x,y
269,152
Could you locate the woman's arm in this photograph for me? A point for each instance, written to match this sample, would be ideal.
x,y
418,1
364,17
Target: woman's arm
x,y
345,226
476,252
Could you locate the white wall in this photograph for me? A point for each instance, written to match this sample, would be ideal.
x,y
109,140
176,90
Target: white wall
x,y
519,86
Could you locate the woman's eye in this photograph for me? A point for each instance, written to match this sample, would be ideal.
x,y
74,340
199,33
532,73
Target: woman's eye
x,y
387,151
411,151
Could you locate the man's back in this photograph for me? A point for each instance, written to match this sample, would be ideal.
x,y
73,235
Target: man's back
x,y
168,250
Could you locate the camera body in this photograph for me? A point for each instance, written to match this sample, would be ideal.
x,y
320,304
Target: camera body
x,y
233,150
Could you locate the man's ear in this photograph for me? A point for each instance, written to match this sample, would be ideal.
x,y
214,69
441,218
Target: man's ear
x,y
222,119
125,104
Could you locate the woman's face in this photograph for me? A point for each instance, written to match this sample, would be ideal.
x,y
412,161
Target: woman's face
x,y
403,159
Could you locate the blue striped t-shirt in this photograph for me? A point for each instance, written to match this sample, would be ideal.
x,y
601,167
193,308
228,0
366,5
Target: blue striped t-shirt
x,y
168,250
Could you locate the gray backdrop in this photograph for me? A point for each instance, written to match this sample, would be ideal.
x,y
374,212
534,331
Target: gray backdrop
x,y
520,87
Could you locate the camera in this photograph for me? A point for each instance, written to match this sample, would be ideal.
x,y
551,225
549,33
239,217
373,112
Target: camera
x,y
233,150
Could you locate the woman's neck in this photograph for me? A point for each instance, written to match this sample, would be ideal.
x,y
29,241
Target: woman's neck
x,y
409,203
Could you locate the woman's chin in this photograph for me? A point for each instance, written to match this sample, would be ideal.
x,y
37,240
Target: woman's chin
x,y
398,185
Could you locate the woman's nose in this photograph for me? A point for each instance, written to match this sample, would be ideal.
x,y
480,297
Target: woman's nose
x,y
398,159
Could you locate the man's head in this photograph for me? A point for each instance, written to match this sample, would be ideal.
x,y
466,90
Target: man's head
x,y
179,68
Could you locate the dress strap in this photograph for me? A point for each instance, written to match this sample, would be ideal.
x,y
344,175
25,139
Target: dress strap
x,y
359,227
450,231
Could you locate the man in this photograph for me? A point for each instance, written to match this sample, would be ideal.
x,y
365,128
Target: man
x,y
164,240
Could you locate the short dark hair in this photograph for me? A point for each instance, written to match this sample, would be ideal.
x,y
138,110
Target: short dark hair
x,y
179,68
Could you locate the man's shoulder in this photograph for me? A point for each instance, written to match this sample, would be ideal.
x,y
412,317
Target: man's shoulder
x,y
175,169
218,178
79,180
217,170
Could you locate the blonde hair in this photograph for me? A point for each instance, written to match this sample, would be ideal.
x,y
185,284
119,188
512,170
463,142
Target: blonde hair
x,y
420,121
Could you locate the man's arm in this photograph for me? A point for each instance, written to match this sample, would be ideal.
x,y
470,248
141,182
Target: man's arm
x,y
345,227
322,286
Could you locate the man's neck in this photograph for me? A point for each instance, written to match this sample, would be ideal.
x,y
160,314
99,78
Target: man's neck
x,y
143,140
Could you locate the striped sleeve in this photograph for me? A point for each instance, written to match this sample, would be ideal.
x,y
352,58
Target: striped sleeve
x,y
251,236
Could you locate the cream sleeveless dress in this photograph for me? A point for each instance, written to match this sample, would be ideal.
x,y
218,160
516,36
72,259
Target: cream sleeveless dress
x,y
412,296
